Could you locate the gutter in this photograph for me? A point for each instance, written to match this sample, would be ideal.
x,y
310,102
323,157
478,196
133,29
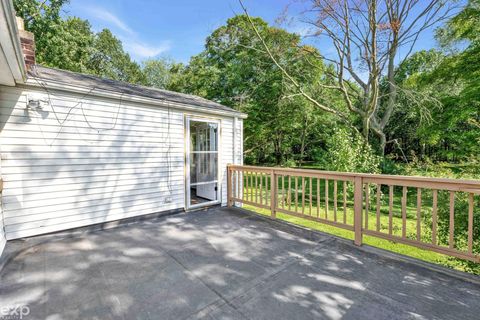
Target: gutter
x,y
61,86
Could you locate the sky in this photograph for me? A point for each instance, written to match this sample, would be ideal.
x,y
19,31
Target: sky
x,y
178,28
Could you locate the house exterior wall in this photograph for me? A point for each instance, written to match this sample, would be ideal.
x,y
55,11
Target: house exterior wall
x,y
78,164
3,239
231,149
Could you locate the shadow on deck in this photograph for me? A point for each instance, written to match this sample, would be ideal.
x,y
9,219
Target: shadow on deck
x,y
222,264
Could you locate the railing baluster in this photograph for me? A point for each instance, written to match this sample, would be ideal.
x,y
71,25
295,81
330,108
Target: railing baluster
x,y
251,186
378,207
367,204
283,192
357,219
256,186
296,194
240,184
261,188
310,193
245,185
240,187
289,193
390,209
470,223
250,182
273,193
451,239
344,201
404,212
229,187
303,195
434,216
419,213
335,200
318,197
326,199
234,183
265,188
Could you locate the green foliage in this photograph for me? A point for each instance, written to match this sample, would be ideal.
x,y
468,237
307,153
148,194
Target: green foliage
x,y
348,152
235,71
439,102
111,61
162,73
70,44
69,47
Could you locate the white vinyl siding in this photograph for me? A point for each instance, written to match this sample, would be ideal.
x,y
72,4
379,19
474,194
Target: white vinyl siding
x,y
78,164
102,163
3,240
227,155
239,142
228,151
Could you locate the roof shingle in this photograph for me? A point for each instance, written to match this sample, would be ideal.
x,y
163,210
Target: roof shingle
x,y
90,81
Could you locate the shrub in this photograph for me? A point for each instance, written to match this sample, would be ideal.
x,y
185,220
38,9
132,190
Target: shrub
x,y
349,152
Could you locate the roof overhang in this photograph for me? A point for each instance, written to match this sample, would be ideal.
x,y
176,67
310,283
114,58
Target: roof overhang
x,y
12,64
83,90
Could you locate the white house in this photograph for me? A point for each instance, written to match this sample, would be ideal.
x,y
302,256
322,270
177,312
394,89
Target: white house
x,y
79,150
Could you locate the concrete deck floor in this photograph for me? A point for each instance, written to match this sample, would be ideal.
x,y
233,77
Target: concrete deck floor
x,y
222,264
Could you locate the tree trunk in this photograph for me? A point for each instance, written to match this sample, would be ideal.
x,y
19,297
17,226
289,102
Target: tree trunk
x,y
366,128
302,143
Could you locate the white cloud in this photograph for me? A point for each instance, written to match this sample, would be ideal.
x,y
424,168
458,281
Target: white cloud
x,y
143,50
104,15
301,30
138,49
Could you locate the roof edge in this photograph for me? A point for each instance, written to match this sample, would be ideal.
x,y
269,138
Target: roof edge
x,y
17,62
58,85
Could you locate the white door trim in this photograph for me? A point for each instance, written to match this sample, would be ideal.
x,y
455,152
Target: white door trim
x,y
188,119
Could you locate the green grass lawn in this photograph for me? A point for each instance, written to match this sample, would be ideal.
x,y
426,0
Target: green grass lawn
x,y
411,221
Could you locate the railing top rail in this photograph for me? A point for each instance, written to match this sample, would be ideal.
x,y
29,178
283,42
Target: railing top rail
x,y
372,178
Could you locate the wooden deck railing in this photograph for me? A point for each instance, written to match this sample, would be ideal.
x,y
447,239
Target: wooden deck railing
x,y
440,215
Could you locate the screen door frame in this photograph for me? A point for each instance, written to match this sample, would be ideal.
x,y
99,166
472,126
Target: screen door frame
x,y
188,155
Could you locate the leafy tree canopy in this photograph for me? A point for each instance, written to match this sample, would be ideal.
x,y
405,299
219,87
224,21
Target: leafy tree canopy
x,y
70,43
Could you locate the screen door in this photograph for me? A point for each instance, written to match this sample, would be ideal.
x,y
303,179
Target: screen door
x,y
202,162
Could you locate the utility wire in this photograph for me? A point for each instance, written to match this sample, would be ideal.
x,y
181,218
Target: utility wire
x,y
114,123
80,103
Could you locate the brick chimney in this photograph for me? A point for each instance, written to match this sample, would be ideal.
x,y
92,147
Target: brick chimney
x,y
28,44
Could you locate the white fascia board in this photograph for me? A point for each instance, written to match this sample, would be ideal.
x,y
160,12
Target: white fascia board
x,y
10,41
56,85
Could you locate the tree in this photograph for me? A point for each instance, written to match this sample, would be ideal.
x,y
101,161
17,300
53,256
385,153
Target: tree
x,y
418,105
70,48
63,44
161,73
235,72
367,37
111,61
449,80
459,74
70,44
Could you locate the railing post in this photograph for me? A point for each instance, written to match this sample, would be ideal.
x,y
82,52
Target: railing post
x,y
358,205
229,186
273,193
